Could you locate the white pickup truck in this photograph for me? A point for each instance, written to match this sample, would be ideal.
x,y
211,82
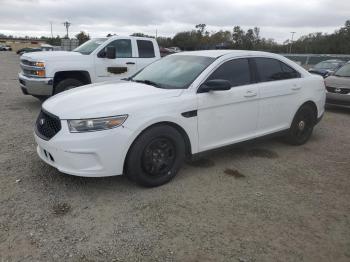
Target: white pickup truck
x,y
102,59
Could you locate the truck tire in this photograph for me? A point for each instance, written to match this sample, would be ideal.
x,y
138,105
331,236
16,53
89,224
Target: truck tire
x,y
67,84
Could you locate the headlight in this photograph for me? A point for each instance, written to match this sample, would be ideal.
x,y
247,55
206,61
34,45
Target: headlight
x,y
96,124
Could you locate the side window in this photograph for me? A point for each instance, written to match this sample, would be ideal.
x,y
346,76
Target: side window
x,y
123,48
236,71
270,69
289,72
146,49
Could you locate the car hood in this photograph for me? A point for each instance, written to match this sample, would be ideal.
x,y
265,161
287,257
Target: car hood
x,y
44,56
107,99
336,81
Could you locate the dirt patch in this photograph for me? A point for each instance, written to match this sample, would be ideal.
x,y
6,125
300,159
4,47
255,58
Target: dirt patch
x,y
202,163
61,209
263,153
12,108
233,172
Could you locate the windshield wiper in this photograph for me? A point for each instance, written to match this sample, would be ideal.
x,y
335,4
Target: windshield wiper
x,y
148,82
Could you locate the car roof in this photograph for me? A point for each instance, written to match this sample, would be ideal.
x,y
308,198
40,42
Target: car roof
x,y
219,53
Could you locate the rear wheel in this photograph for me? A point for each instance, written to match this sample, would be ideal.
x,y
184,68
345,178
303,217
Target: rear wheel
x,y
302,126
67,84
156,156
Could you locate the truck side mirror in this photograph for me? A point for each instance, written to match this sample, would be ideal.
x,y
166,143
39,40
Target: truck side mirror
x,y
110,52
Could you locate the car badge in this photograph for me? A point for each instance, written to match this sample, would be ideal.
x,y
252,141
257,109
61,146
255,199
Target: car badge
x,y
337,90
42,121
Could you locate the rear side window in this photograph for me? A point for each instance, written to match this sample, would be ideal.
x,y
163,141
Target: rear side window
x,y
146,49
270,69
236,71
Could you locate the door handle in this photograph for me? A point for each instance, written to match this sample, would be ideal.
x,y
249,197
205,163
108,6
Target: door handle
x,y
250,94
130,63
296,88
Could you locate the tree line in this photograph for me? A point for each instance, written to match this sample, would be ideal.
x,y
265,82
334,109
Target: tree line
x,y
317,43
200,38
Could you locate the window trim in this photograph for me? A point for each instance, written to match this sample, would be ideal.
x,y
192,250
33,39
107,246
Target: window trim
x,y
257,75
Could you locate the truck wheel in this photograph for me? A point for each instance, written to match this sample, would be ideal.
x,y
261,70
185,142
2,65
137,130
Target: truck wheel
x,y
67,84
302,126
156,156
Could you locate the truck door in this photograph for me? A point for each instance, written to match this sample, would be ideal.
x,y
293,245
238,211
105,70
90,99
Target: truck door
x,y
124,65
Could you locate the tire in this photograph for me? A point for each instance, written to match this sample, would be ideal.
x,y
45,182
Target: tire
x,y
302,126
67,84
155,156
41,98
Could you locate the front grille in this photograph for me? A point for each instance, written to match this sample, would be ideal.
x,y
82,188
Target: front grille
x,y
336,90
28,63
47,125
27,72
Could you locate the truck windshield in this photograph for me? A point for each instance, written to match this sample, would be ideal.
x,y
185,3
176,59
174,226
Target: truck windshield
x,y
88,47
174,71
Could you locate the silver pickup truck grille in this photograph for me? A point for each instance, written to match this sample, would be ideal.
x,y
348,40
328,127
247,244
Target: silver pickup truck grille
x,y
29,68
27,62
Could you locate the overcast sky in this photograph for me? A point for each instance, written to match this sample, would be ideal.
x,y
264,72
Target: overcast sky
x,y
276,18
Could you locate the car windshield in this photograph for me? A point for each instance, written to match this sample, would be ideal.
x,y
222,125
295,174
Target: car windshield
x,y
88,47
173,72
327,65
343,71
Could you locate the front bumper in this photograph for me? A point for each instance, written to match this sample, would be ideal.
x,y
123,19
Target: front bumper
x,y
35,86
91,154
342,100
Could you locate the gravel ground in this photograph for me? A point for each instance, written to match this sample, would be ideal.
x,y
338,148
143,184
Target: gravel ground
x,y
264,201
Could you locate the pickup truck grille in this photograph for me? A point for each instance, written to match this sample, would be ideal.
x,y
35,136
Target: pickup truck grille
x,y
27,62
342,91
47,125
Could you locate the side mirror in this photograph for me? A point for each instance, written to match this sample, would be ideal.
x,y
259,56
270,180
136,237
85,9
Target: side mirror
x,y
110,52
215,85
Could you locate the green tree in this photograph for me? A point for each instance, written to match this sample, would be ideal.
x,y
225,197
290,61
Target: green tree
x,y
82,37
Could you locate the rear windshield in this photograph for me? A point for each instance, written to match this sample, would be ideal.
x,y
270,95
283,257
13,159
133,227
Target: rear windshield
x,y
343,71
327,65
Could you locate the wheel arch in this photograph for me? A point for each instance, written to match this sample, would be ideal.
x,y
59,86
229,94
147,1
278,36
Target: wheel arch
x,y
311,104
174,125
81,75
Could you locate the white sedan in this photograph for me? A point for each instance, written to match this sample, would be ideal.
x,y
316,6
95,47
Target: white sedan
x,y
184,104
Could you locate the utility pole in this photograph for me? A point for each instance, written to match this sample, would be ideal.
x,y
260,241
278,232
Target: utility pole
x,y
51,29
67,25
291,43
156,33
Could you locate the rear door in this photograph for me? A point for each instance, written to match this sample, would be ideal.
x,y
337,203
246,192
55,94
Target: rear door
x,y
225,117
280,90
124,65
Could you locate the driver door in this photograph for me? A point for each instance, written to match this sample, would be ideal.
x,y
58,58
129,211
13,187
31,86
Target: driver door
x,y
225,117
124,65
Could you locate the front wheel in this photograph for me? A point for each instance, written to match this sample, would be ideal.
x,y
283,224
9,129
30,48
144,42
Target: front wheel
x,y
67,84
156,156
302,126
